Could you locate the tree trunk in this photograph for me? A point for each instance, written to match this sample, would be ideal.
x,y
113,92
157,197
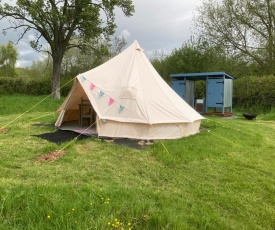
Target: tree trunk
x,y
57,61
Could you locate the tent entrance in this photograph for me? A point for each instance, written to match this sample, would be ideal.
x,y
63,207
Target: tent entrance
x,y
80,118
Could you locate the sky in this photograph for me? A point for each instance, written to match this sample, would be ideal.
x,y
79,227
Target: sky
x,y
158,25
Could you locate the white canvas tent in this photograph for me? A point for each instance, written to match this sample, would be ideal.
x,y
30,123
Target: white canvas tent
x,y
130,100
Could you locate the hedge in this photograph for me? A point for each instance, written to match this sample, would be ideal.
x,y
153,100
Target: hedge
x,y
254,93
251,93
30,86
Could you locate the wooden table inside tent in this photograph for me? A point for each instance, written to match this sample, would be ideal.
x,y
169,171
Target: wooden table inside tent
x,y
86,112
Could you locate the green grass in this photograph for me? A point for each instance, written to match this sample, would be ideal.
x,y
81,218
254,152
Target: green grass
x,y
221,178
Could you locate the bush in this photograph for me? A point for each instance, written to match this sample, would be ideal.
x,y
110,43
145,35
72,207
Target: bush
x,y
254,93
30,86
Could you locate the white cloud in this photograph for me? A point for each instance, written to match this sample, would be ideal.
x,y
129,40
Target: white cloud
x,y
31,37
125,34
22,63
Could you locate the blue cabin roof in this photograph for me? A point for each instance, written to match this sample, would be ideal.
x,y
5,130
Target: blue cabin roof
x,y
201,76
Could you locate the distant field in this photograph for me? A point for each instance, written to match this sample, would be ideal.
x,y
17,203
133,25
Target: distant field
x,y
221,178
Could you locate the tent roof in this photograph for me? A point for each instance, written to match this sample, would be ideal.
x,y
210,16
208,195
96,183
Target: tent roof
x,y
127,88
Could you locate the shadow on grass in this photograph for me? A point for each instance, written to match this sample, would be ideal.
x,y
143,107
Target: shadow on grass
x,y
61,136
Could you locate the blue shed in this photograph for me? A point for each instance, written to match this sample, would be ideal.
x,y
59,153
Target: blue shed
x,y
219,90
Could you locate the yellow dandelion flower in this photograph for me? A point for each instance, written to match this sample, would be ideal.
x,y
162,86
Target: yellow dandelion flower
x,y
48,216
109,223
72,209
129,224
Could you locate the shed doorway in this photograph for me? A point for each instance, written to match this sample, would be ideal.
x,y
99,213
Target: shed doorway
x,y
218,92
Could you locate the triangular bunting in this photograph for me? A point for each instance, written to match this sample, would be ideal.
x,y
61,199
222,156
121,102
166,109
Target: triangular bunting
x,y
83,79
100,94
121,108
92,86
111,101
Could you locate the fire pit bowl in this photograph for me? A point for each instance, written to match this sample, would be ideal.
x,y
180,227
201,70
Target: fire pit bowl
x,y
249,116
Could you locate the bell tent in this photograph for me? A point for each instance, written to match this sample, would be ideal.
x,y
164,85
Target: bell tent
x,y
126,98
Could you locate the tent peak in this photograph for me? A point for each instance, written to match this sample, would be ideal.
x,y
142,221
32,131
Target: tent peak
x,y
138,46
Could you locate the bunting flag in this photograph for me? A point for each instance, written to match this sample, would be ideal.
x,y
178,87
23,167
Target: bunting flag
x,y
83,79
92,86
121,108
100,94
111,101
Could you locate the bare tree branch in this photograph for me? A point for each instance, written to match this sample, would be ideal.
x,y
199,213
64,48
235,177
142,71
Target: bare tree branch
x,y
242,25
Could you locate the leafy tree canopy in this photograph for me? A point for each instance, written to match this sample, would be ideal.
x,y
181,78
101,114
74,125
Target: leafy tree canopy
x,y
243,27
8,58
60,21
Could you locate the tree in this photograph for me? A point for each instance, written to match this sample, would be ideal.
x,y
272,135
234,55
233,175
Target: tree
x,y
8,58
198,55
75,61
159,61
59,21
41,68
195,55
116,46
243,27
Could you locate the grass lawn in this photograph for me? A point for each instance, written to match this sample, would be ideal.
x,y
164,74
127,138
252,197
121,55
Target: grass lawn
x,y
221,178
